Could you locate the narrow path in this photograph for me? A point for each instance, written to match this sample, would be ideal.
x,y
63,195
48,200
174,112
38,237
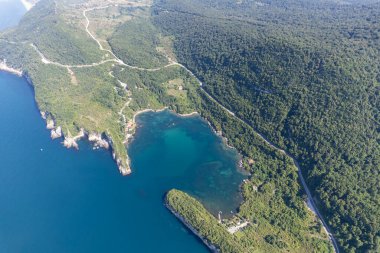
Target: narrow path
x,y
172,63
269,143
121,112
9,41
117,59
47,61
91,35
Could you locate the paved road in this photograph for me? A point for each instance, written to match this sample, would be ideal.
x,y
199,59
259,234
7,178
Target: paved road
x,y
309,195
172,63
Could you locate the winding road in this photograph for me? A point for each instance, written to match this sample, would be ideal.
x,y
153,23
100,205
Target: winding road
x,y
173,63
302,179
116,59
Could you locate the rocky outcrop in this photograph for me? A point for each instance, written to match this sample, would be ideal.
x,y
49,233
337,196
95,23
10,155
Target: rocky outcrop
x,y
125,170
71,142
56,133
43,114
98,141
50,124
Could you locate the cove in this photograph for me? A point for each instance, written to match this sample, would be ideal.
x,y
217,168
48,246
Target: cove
x,y
58,200
185,154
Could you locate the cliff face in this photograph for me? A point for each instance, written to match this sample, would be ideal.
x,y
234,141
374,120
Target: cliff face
x,y
212,247
81,83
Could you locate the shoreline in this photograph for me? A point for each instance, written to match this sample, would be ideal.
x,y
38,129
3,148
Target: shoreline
x,y
4,67
146,110
209,245
163,109
102,140
186,115
71,142
97,142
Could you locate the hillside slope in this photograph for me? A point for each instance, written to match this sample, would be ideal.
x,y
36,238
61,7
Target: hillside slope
x,y
82,88
306,75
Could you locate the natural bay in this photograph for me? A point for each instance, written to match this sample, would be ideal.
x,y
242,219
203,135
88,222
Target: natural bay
x,y
58,200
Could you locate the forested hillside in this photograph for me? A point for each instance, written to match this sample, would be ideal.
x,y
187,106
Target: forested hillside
x,y
305,74
64,49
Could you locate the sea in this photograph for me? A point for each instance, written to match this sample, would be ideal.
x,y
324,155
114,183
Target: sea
x,y
54,199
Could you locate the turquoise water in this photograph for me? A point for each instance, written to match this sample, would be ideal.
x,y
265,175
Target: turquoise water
x,y
184,153
58,200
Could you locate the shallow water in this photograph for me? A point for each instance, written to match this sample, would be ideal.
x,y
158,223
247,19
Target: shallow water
x,y
58,200
185,154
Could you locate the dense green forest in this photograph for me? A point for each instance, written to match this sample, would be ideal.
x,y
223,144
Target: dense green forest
x,y
206,224
306,74
274,201
80,86
303,73
135,42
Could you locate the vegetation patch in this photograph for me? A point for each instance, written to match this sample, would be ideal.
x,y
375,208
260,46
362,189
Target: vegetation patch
x,y
136,42
306,75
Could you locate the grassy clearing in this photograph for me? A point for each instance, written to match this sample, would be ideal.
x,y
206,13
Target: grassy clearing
x,y
136,43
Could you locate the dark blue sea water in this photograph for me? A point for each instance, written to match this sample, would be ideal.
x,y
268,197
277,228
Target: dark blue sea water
x,y
58,200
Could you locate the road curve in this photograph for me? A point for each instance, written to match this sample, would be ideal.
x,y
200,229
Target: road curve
x,y
120,62
302,179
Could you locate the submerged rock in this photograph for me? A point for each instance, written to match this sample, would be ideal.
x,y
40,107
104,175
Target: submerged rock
x,y
98,140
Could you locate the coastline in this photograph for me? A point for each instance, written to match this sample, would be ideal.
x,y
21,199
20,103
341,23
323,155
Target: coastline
x,y
146,110
209,245
163,109
93,137
6,68
102,140
71,142
191,114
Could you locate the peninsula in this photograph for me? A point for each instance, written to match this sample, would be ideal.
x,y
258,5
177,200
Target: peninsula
x,y
95,65
103,76
294,94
